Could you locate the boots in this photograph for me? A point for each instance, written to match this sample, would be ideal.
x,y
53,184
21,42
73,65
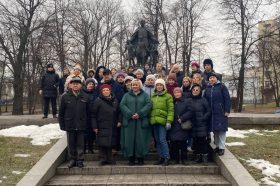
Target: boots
x,y
131,161
204,158
165,162
159,162
140,161
198,158
72,163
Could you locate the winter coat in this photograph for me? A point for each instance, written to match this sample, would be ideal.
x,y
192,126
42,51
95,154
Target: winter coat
x,y
49,84
187,92
135,134
116,89
163,108
105,117
149,90
219,100
201,114
183,110
179,78
74,111
170,88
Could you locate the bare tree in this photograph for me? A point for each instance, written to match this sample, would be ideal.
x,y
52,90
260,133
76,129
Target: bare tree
x,y
240,16
19,19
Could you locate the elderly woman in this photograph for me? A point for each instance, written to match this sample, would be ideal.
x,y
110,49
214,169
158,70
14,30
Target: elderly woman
x,y
136,131
218,97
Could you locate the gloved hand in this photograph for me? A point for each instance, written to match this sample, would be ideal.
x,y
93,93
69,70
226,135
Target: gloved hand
x,y
168,126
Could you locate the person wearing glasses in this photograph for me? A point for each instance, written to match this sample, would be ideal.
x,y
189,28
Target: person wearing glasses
x,y
201,113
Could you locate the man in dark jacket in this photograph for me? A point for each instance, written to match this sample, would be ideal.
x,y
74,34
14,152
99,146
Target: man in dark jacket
x,y
49,85
208,69
73,116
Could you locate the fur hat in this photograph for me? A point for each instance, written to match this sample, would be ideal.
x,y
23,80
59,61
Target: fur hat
x,y
160,81
151,76
208,61
120,74
76,79
195,63
90,70
212,74
177,89
105,86
93,80
172,76
128,78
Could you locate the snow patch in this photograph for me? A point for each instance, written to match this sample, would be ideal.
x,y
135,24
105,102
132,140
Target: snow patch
x,y
240,133
0,181
4,177
22,155
16,172
269,170
235,144
271,131
40,135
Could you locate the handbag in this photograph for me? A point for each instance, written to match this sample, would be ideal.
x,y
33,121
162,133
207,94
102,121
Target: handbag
x,y
186,125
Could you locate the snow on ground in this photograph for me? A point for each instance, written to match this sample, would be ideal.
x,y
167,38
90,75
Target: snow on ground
x,y
244,133
235,144
269,170
4,177
0,181
240,133
16,172
22,155
40,135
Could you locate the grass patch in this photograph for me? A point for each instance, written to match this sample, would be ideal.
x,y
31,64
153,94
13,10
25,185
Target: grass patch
x,y
258,147
8,163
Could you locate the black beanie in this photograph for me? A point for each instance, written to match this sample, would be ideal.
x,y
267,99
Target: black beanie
x,y
212,74
50,65
208,61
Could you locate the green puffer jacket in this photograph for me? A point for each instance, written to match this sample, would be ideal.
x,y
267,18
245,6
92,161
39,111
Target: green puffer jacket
x,y
163,108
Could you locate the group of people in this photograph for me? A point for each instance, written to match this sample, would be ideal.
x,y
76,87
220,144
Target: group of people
x,y
124,110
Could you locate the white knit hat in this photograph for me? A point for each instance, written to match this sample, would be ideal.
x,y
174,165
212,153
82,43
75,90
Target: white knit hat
x,y
160,81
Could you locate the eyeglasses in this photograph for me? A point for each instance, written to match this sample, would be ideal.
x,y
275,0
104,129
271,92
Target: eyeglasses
x,y
195,90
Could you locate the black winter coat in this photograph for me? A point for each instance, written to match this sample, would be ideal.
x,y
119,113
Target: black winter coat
x,y
49,84
105,116
179,78
187,92
183,110
202,112
116,89
74,111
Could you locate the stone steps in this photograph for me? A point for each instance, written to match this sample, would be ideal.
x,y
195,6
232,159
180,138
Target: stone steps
x,y
92,168
139,180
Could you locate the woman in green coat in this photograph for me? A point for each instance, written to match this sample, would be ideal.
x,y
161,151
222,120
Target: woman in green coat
x,y
162,116
136,131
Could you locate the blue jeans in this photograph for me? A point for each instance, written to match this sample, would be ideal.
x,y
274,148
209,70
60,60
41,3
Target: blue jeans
x,y
160,137
220,139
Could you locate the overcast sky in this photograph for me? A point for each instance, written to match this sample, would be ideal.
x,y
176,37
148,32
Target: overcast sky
x,y
216,49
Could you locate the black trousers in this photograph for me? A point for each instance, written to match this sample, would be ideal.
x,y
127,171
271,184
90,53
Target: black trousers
x,y
105,154
75,145
200,145
178,150
89,138
46,105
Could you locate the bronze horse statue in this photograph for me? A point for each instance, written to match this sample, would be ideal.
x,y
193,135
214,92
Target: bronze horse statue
x,y
142,45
